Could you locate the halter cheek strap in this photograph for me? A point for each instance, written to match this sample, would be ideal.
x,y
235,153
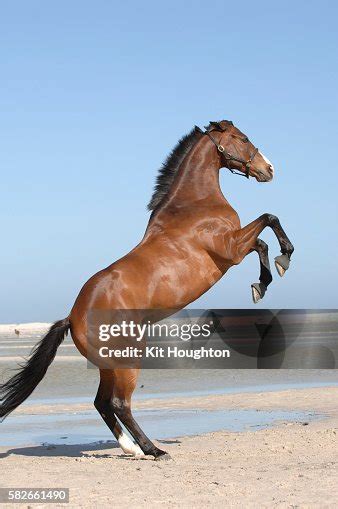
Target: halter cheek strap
x,y
229,157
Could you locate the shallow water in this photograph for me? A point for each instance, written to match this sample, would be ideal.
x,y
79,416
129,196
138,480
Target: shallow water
x,y
86,427
69,381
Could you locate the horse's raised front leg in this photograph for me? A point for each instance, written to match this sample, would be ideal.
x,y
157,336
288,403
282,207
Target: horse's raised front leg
x,y
265,278
246,239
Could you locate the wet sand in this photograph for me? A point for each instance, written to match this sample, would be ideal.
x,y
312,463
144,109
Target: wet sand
x,y
293,464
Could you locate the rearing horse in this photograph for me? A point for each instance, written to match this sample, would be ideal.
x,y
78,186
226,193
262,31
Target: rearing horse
x,y
193,237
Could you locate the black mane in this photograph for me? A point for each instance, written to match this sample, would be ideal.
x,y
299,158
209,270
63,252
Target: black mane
x,y
170,167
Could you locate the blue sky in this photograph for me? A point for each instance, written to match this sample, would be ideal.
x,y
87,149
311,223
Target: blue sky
x,y
95,94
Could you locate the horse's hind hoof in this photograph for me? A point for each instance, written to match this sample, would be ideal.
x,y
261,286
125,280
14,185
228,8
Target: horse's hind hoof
x,y
282,264
163,457
258,291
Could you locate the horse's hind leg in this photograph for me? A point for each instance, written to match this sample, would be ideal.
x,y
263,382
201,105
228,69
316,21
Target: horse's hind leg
x,y
265,278
123,388
104,406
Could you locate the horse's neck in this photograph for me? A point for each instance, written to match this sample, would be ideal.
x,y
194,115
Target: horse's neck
x,y
197,180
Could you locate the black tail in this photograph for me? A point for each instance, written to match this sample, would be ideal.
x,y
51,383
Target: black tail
x,y
20,386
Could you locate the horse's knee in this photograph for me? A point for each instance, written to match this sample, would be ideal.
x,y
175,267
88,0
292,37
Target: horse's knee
x,y
270,219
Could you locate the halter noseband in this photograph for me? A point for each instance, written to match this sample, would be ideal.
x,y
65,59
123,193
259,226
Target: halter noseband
x,y
226,156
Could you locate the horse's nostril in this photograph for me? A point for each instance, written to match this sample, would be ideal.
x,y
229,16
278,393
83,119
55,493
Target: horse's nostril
x,y
271,168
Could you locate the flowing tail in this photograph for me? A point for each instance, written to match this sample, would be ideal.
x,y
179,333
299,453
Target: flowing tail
x,y
22,384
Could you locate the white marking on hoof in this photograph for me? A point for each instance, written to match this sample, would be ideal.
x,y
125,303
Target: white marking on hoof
x,y
128,446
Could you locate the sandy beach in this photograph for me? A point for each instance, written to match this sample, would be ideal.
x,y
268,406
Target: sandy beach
x,y
237,438
291,464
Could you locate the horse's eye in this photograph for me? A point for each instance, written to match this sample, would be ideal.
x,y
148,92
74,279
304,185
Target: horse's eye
x,y
245,140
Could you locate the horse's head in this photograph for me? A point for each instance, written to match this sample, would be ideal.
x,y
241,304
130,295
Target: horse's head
x,y
238,153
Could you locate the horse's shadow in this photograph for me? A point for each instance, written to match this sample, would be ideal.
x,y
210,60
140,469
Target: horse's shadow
x,y
72,451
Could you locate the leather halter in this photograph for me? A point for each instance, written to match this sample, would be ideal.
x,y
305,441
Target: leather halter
x,y
226,155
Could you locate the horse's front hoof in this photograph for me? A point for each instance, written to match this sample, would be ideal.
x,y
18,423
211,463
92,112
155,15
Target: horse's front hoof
x,y
282,264
258,291
163,457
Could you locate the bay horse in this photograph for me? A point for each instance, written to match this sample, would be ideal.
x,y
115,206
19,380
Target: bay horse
x,y
192,239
